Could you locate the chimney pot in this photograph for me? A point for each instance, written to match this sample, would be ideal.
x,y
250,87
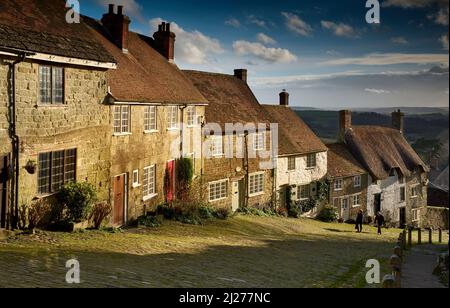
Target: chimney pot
x,y
284,98
165,41
111,9
345,122
120,10
398,120
117,26
241,74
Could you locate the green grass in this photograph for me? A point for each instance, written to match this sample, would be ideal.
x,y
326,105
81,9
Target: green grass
x,y
244,251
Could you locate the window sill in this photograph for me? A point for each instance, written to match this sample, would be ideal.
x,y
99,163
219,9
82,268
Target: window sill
x,y
338,190
414,197
136,185
217,200
40,105
193,126
356,206
256,194
147,198
149,132
121,134
173,129
311,168
43,196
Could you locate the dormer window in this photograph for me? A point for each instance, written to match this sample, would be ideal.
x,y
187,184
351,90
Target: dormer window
x,y
51,85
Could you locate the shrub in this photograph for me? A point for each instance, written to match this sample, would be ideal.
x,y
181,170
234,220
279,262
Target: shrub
x,y
206,212
307,205
222,213
149,222
37,213
282,211
294,211
328,214
78,198
99,213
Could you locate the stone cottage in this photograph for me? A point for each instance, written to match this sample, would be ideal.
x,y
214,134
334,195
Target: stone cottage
x,y
349,182
398,178
156,116
54,128
238,168
302,157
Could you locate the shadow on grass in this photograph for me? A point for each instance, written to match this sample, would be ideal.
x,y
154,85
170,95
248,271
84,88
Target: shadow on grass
x,y
330,262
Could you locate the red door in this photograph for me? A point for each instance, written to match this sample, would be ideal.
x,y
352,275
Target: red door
x,y
170,181
119,200
3,190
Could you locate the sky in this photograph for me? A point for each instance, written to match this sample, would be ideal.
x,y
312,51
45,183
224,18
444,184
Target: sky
x,y
322,52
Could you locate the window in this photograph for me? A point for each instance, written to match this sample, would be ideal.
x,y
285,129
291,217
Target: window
x,y
217,145
173,117
192,158
259,141
51,85
338,185
357,181
292,163
191,116
304,192
402,194
55,170
311,161
415,215
122,119
149,182
136,180
256,184
218,190
415,191
356,200
150,119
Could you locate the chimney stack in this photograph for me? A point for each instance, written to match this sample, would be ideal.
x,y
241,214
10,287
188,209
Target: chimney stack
x,y
284,98
345,122
118,26
165,41
434,163
241,74
398,120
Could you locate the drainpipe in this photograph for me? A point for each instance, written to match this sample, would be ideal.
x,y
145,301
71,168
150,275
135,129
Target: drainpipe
x,y
15,141
247,172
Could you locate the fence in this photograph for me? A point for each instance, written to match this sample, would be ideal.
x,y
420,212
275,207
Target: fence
x,y
406,241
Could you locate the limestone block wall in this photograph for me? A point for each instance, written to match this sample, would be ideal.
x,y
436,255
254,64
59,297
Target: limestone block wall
x,y
5,145
348,191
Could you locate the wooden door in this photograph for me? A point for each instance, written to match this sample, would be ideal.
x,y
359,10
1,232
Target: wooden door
x,y
4,165
119,200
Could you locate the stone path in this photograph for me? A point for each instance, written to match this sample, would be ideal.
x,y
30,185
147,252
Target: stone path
x,y
419,265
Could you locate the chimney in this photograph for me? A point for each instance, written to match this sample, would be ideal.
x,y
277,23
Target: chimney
x,y
398,120
241,74
434,163
284,98
117,26
165,41
345,122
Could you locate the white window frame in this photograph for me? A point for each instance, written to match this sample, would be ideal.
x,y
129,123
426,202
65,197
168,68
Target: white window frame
x,y
294,160
148,186
338,187
52,86
252,187
150,119
191,115
300,187
173,118
119,120
357,181
354,198
217,146
402,194
136,179
415,213
259,141
223,194
308,160
414,191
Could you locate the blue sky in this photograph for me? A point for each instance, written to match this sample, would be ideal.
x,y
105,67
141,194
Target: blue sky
x,y
323,52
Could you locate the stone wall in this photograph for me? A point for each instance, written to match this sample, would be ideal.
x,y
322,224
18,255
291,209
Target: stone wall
x,y
434,217
348,191
139,150
5,144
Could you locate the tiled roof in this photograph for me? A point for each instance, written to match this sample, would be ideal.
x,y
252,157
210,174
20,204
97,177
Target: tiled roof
x,y
40,26
231,100
382,149
341,162
295,137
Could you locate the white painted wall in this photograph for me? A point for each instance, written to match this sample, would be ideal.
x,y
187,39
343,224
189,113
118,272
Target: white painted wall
x,y
302,175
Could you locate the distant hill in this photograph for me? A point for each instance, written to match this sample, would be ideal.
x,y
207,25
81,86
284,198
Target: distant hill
x,y
388,111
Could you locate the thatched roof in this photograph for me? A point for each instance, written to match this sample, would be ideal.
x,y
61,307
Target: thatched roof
x,y
381,150
295,137
341,163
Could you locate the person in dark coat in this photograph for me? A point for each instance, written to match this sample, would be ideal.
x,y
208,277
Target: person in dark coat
x,y
379,222
359,221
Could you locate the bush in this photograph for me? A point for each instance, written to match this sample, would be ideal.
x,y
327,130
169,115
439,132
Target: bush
x,y
307,205
99,213
78,198
149,222
222,213
328,214
34,215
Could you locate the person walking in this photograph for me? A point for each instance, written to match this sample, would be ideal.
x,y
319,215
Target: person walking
x,y
359,221
379,222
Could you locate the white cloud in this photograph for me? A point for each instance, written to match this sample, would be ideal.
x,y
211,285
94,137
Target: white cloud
x,y
233,22
265,39
192,47
391,58
400,40
272,55
297,25
407,4
441,17
252,19
131,7
444,41
341,29
377,91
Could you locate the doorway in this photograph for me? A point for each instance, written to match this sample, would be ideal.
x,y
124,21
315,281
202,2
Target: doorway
x,y
238,195
345,209
377,204
120,200
402,217
4,178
